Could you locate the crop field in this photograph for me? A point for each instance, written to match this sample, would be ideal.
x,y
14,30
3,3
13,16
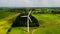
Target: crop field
x,y
48,24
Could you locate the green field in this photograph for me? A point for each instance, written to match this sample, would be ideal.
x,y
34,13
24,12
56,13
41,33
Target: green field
x,y
49,24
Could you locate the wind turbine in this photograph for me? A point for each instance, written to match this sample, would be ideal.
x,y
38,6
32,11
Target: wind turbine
x,y
28,19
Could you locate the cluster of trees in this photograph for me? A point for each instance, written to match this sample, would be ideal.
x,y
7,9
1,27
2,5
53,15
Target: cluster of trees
x,y
34,10
47,11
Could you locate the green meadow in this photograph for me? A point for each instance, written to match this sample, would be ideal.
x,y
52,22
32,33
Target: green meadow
x,y
49,24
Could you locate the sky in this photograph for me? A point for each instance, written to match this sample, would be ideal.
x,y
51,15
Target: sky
x,y
29,3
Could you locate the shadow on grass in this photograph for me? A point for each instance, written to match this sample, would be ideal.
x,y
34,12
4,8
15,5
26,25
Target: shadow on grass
x,y
22,22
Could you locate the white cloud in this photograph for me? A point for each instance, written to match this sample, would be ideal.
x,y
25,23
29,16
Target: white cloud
x,y
30,3
56,3
16,2
44,3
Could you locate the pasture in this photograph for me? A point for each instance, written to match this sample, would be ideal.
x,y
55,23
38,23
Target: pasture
x,y
49,24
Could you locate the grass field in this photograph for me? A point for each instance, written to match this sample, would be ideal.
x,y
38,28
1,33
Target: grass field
x,y
6,21
49,24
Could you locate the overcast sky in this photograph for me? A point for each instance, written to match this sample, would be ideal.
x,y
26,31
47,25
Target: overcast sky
x,y
29,3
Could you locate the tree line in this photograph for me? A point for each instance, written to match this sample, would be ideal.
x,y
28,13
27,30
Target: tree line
x,y
34,10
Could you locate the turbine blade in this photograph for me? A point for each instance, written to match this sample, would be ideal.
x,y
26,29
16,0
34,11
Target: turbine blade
x,y
30,19
23,16
29,13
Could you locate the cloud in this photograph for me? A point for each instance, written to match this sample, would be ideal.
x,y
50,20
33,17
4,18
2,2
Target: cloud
x,y
56,3
15,3
44,3
29,3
